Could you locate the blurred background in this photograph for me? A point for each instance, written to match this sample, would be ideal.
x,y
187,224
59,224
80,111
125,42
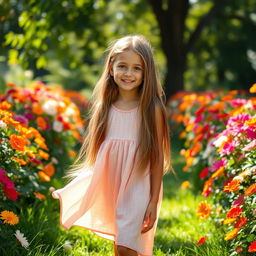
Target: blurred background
x,y
198,44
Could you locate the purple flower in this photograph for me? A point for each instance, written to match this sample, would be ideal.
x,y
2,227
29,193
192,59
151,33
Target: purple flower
x,y
21,119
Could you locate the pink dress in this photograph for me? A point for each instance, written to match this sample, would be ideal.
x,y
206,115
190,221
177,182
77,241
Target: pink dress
x,y
110,199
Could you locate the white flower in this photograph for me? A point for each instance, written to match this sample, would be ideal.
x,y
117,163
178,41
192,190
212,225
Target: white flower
x,y
2,124
69,111
21,238
57,126
50,107
240,178
67,246
217,143
54,160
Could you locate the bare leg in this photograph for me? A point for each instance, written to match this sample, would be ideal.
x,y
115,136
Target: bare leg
x,y
115,249
124,251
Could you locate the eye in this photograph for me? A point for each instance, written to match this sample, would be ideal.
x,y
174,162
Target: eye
x,y
121,66
138,68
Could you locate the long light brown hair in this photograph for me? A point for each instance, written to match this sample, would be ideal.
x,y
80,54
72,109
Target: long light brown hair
x,y
151,95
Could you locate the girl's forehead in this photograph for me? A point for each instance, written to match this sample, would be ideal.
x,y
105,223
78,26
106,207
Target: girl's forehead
x,y
129,56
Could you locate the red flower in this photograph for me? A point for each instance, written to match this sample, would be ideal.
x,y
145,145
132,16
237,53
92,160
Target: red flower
x,y
204,173
241,222
11,193
201,240
234,212
252,247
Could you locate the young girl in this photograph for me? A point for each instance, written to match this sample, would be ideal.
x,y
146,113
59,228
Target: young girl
x,y
117,191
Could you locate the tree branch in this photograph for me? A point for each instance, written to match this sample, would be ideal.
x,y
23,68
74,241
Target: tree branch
x,y
205,20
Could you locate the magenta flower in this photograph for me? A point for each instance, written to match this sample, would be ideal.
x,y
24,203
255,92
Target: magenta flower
x,y
218,164
238,201
21,119
238,119
238,102
229,147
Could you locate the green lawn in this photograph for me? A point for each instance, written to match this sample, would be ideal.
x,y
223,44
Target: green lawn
x,y
177,234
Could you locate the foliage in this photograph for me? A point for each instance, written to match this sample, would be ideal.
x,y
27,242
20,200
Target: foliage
x,y
220,140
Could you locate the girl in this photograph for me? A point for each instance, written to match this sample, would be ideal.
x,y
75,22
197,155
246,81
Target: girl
x,y
117,191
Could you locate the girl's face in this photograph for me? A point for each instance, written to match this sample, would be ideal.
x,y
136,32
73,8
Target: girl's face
x,y
127,70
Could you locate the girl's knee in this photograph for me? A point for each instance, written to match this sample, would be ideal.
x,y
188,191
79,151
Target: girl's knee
x,y
124,251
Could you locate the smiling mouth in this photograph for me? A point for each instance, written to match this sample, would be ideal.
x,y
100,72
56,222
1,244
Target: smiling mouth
x,y
128,81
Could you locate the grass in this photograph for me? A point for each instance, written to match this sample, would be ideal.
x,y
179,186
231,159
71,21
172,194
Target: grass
x,y
177,233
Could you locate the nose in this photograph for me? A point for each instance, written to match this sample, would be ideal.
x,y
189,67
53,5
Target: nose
x,y
128,71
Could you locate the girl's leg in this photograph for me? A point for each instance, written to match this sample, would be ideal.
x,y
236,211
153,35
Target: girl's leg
x,y
115,249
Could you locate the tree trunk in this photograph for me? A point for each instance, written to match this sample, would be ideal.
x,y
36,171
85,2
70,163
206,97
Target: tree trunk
x,y
171,20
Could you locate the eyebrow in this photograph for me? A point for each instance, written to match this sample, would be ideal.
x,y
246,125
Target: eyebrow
x,y
122,62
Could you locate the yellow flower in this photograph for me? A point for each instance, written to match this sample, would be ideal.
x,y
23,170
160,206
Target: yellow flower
x,y
232,234
185,184
9,217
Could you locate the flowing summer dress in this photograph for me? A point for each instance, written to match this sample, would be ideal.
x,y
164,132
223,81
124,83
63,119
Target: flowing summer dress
x,y
110,199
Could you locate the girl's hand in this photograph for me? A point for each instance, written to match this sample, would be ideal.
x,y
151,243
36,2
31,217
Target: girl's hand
x,y
149,217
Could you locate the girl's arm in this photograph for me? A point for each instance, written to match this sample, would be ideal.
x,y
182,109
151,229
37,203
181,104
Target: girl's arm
x,y
156,179
157,173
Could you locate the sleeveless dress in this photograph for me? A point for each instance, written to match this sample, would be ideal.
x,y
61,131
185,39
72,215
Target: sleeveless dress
x,y
110,199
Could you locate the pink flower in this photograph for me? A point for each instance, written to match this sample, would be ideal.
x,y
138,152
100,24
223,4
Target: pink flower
x,y
229,147
9,187
238,102
218,164
250,133
238,119
250,146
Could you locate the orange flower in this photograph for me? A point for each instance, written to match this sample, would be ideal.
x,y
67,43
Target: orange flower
x,y
5,105
41,123
253,88
18,142
36,109
207,185
44,176
40,141
249,191
217,107
241,222
196,149
232,234
185,184
19,160
43,154
234,212
251,122
49,169
9,217
40,196
203,210
252,247
232,186
218,172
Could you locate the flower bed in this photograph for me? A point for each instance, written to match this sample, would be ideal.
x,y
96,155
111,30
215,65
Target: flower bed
x,y
219,130
39,128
